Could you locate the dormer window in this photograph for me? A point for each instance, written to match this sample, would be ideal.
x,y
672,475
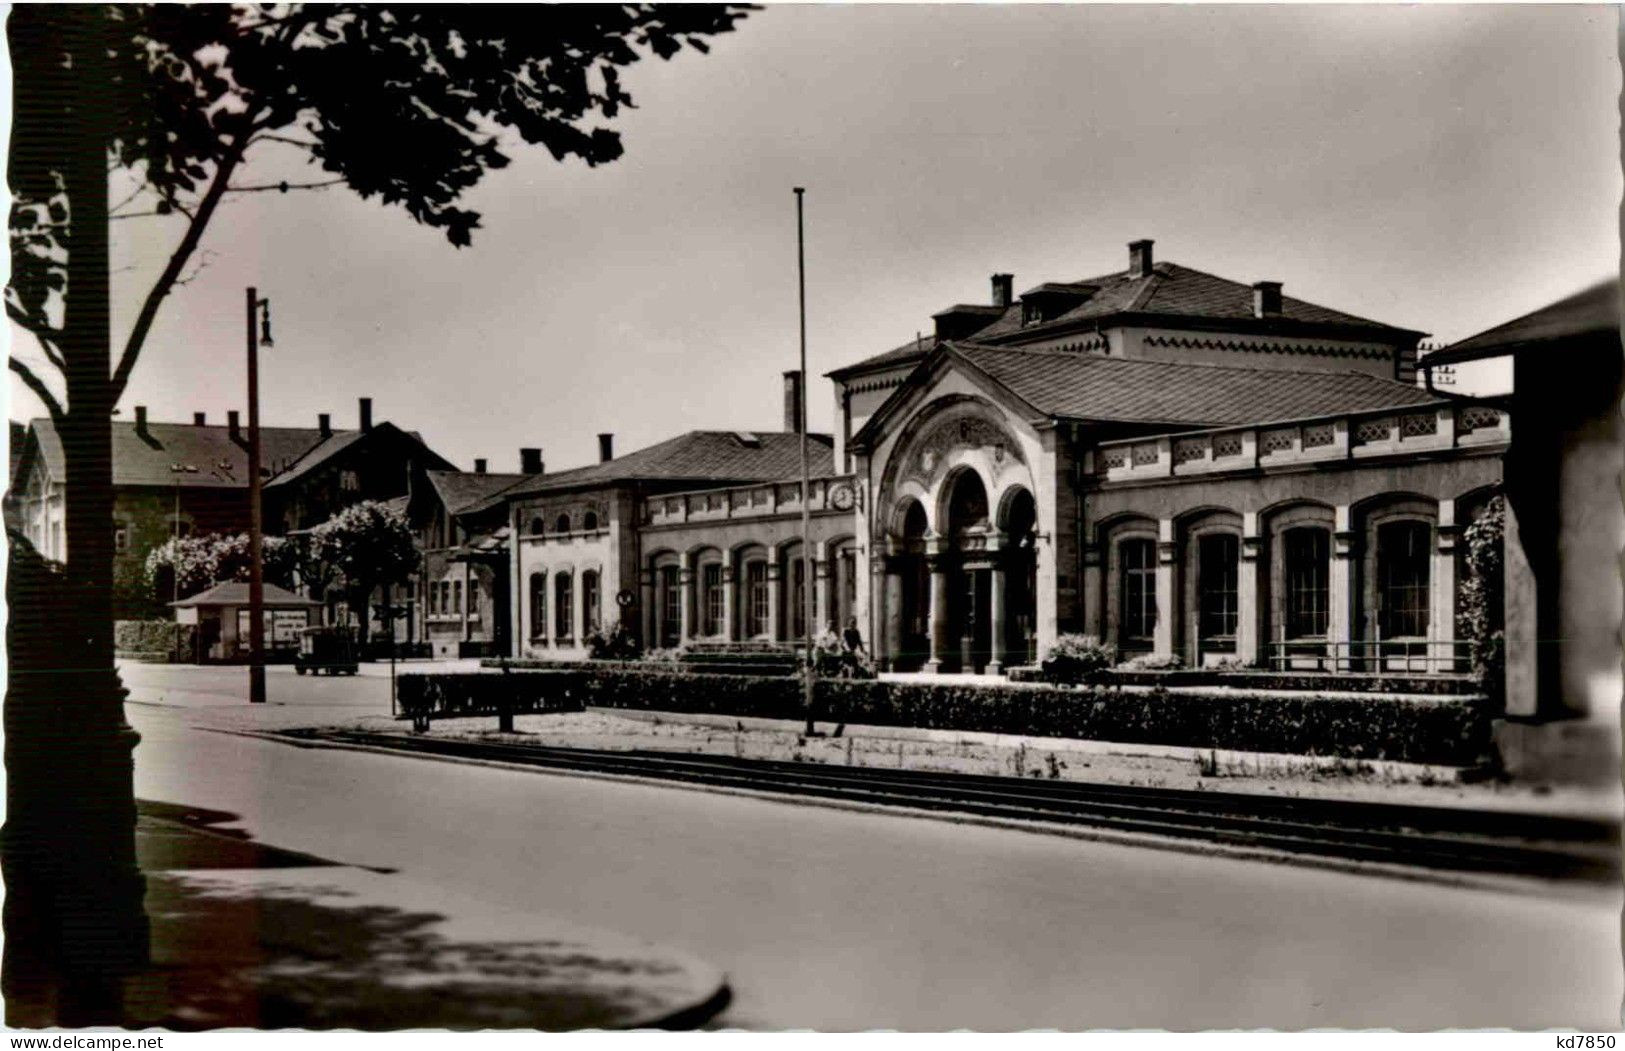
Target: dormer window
x,y
1049,301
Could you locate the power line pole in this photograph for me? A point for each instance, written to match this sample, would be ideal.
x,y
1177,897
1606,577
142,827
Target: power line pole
x,y
256,563
809,577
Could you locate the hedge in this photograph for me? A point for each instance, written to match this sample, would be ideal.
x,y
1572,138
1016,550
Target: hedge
x,y
457,695
1243,678
154,640
1454,731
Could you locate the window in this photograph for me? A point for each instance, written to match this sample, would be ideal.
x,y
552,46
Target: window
x,y
121,537
1307,554
1216,585
671,598
563,606
711,583
756,595
1138,560
590,522
473,598
457,596
798,598
537,526
1403,555
538,605
589,598
445,597
562,525
349,482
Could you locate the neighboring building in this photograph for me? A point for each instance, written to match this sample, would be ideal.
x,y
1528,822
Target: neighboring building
x,y
221,614
463,583
176,479
695,538
1565,528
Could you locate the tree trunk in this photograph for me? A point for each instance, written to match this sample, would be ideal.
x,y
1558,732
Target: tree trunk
x,y
74,921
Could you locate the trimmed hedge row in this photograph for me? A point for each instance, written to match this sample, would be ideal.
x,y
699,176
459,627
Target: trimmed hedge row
x,y
156,641
1248,679
454,695
1446,731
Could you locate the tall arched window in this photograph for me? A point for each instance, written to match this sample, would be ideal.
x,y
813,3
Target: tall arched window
x,y
537,526
1138,622
1216,585
1306,576
711,604
798,598
671,605
562,525
563,607
589,598
538,605
590,522
756,599
1404,552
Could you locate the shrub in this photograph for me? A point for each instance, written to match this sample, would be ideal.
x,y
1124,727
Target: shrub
x,y
454,695
616,644
154,639
1375,727
1077,659
1480,613
1153,662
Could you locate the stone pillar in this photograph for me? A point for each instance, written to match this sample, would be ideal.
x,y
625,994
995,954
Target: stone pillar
x,y
1249,611
1342,590
646,600
1093,596
774,586
685,603
1442,593
938,629
730,604
881,585
1162,636
996,613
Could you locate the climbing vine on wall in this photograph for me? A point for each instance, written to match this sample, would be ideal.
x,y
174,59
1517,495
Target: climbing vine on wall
x,y
1481,609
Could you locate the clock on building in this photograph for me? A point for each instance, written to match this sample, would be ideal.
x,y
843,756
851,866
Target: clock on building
x,y
840,498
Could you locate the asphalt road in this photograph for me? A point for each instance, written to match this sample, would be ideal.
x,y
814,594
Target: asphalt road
x,y
836,920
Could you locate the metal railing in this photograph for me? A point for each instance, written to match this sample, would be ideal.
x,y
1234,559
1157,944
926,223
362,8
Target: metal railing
x,y
1416,656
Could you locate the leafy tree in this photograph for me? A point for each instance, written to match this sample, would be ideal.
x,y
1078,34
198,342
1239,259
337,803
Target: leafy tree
x,y
181,567
410,105
371,546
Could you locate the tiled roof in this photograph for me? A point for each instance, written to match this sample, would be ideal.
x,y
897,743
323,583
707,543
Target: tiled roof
x,y
316,456
721,456
220,462
1169,291
459,490
1591,312
1095,387
235,593
913,350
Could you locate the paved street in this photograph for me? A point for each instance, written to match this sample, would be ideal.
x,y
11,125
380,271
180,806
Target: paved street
x,y
838,920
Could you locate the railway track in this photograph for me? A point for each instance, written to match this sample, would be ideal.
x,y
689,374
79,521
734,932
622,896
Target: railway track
x,y
1434,838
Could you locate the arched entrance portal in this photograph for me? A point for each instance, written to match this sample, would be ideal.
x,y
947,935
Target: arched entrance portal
x,y
1017,548
969,564
914,578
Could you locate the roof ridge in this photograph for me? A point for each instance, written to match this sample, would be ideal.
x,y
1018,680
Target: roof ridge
x,y
1102,359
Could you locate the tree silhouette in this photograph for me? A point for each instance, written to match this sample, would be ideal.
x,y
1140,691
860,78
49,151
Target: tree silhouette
x,y
371,546
409,105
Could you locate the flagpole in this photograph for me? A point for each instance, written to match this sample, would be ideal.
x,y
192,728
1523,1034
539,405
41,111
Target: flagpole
x,y
256,565
809,573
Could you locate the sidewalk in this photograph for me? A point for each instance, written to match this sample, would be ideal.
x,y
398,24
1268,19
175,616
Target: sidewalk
x,y
246,935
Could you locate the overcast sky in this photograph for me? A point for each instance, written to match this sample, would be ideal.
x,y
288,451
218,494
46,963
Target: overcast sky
x,y
1436,168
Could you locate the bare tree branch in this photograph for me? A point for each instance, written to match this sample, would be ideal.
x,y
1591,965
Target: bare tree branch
x,y
284,187
37,385
52,353
268,137
227,164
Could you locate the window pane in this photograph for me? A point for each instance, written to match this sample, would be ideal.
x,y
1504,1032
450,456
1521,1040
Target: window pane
x,y
562,606
671,596
1216,585
538,605
1138,560
712,585
1403,550
1307,572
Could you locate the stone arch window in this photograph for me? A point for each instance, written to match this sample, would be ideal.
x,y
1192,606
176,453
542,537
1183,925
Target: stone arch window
x,y
757,597
563,605
1404,565
1137,591
712,603
538,527
562,525
1306,554
538,605
1218,557
590,522
794,621
590,600
667,599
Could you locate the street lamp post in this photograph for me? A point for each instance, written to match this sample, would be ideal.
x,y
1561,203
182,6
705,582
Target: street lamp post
x,y
258,316
808,576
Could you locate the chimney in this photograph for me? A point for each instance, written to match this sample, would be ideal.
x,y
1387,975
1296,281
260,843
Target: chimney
x,y
366,414
530,461
141,419
792,401
235,423
1139,258
199,419
479,466
324,423
606,448
1267,299
1003,287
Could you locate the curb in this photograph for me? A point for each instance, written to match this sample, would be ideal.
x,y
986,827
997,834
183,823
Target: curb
x,y
1477,881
